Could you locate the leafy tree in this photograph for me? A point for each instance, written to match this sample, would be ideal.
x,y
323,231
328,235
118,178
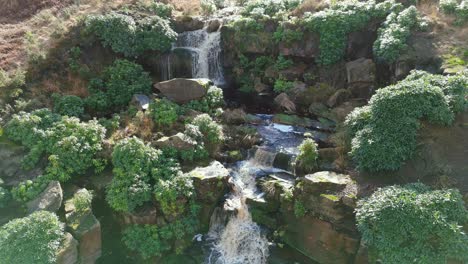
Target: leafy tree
x,y
413,224
32,239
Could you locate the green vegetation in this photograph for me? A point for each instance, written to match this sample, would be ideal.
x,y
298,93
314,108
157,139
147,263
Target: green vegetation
x,y
299,209
287,35
164,112
282,85
392,36
30,189
269,8
82,200
71,145
385,132
32,239
334,24
132,33
307,157
459,8
209,103
68,105
411,223
204,130
120,82
134,165
172,194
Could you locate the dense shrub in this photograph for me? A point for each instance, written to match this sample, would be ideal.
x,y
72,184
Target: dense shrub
x,y
204,130
71,145
152,8
132,35
269,8
209,103
334,24
137,167
82,200
32,239
392,36
164,112
30,189
385,132
172,195
69,105
134,163
459,8
152,240
412,224
282,85
307,157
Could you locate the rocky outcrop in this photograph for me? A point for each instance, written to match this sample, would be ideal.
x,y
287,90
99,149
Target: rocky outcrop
x,y
144,216
339,97
235,116
211,184
68,252
49,200
361,75
178,141
187,23
11,156
306,47
319,240
183,90
85,228
283,102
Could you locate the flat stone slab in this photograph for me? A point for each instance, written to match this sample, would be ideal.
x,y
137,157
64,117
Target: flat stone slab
x,y
325,181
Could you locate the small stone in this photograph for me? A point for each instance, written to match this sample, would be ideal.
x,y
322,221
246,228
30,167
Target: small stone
x,y
284,103
178,141
141,101
339,97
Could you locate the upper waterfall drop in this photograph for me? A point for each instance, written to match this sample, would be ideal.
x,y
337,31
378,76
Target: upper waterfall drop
x,y
205,51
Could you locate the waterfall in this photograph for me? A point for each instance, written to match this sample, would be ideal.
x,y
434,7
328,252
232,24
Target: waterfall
x,y
241,241
205,50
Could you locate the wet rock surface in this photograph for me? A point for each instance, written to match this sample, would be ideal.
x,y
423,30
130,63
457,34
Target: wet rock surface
x,y
49,200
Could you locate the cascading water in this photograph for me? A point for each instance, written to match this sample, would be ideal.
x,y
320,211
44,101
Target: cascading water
x,y
241,241
205,51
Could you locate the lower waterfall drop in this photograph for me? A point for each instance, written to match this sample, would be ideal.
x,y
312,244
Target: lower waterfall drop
x,y
241,241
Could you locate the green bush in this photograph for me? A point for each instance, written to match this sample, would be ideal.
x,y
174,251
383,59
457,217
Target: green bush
x,y
269,8
282,85
146,240
131,35
152,8
307,157
459,8
71,145
164,112
335,23
385,132
413,224
32,239
206,131
392,36
134,163
287,36
69,105
137,167
29,189
172,195
124,79
82,200
209,103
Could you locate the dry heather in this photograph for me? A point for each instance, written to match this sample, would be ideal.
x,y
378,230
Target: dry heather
x,y
33,26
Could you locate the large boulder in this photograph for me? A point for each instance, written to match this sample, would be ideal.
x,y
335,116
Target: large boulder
x,y
325,181
187,23
178,141
49,200
211,184
85,228
68,252
183,90
11,156
361,75
306,47
283,102
319,240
